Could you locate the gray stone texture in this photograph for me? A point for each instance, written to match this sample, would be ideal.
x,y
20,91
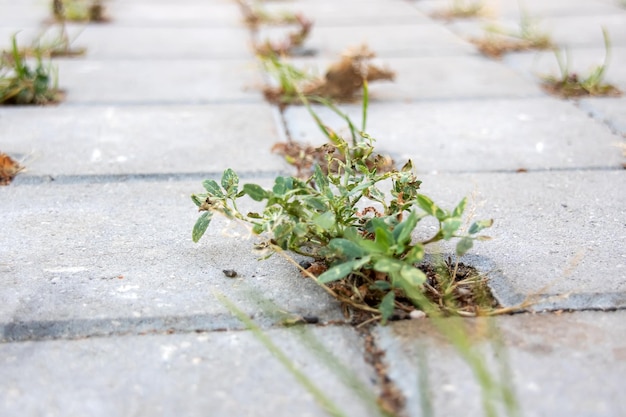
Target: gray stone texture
x,y
118,140
561,365
487,135
218,373
108,308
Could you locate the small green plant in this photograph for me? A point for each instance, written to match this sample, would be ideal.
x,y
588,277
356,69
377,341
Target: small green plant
x,y
291,42
343,80
572,85
461,9
79,10
20,84
498,41
255,15
359,235
54,41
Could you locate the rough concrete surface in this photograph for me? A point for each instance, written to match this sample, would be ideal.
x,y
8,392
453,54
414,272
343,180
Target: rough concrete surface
x,y
107,307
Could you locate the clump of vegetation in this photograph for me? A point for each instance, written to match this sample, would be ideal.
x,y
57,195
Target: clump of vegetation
x,y
342,82
498,41
292,41
20,84
255,15
359,239
79,10
53,44
9,168
570,84
460,9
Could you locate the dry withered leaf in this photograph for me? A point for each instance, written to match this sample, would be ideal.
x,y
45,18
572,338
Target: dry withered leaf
x,y
293,40
344,79
9,168
304,157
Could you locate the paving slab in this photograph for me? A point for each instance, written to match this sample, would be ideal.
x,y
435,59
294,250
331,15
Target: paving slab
x,y
159,81
181,14
611,111
115,140
557,233
89,258
222,374
441,78
22,14
485,135
387,41
496,9
583,31
562,365
178,43
350,13
583,62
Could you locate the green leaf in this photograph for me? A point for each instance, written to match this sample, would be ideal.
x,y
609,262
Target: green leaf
x,y
230,181
381,285
282,185
342,270
325,220
464,245
213,189
201,225
198,199
460,208
346,249
315,203
256,192
480,225
430,207
320,179
388,265
386,306
402,232
383,238
450,226
412,276
416,254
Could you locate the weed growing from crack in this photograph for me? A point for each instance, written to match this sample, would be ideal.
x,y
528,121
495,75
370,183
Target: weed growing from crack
x,y
255,15
53,42
294,39
79,11
342,82
570,84
499,41
359,238
460,9
20,84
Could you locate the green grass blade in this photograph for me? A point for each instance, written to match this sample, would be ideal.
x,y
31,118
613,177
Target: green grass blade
x,y
328,405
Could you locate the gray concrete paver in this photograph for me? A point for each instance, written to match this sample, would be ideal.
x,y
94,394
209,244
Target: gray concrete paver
x,y
141,139
434,78
351,13
611,111
178,43
487,135
388,41
123,250
159,81
566,365
102,289
219,373
558,233
583,62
